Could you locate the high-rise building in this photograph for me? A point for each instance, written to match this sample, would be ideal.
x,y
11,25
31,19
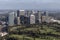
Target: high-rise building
x,y
36,16
15,19
26,17
22,19
47,16
11,19
28,13
32,19
15,14
39,16
22,12
18,20
18,13
18,17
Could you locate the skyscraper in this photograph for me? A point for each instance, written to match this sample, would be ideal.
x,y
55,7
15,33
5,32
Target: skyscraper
x,y
45,16
28,13
22,12
15,13
39,16
32,19
47,20
18,17
11,19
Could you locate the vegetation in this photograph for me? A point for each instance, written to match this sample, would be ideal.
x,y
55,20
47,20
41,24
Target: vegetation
x,y
34,32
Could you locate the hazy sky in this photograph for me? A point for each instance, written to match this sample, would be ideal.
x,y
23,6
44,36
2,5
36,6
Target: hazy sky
x,y
30,4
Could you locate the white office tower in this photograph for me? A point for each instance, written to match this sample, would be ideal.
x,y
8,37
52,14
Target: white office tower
x,y
32,19
22,12
11,19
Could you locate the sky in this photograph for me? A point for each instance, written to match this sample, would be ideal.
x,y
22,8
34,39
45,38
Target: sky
x,y
30,4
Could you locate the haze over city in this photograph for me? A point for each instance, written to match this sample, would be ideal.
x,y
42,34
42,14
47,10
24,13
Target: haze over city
x,y
30,4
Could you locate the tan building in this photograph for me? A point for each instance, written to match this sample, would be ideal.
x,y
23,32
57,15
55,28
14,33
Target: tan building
x,y
18,19
46,20
22,12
